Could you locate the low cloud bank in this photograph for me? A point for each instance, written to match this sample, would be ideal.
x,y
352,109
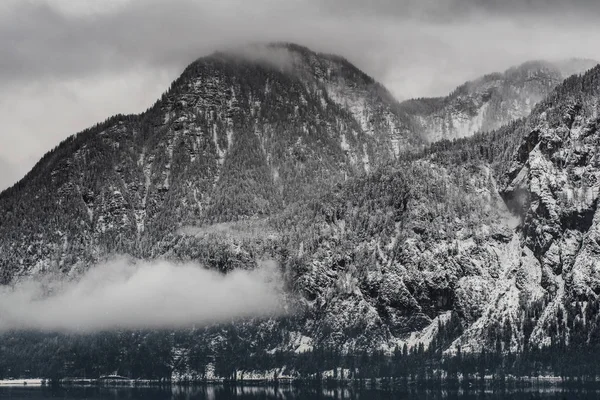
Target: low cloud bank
x,y
276,56
122,295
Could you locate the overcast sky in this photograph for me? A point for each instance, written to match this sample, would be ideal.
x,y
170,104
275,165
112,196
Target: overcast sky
x,y
67,64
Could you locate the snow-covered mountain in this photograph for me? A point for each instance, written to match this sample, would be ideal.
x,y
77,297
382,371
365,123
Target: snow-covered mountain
x,y
284,153
491,101
542,284
498,230
241,134
553,184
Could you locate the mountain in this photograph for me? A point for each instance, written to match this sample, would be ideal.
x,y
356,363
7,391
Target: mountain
x,y
541,291
240,134
479,245
498,231
491,101
553,186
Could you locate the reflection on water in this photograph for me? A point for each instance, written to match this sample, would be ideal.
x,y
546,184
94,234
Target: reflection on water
x,y
282,393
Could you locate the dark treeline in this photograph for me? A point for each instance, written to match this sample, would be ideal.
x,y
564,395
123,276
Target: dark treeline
x,y
95,356
162,355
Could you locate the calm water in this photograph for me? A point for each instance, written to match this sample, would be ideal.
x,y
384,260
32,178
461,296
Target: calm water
x,y
256,393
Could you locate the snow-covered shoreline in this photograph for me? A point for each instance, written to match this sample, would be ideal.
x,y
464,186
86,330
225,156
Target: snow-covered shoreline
x,y
23,382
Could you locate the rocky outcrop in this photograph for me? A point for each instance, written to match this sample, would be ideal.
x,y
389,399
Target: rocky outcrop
x,y
553,187
491,101
556,187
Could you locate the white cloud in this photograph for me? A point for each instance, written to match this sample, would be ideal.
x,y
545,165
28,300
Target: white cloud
x,y
122,295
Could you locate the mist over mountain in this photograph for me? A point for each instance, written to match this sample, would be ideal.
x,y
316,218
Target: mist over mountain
x,y
389,237
491,101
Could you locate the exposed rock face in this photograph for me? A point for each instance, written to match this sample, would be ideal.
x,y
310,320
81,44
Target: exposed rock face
x,y
517,259
553,185
558,182
376,280
491,101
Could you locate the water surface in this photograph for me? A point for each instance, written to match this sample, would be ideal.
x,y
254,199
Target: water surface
x,y
269,393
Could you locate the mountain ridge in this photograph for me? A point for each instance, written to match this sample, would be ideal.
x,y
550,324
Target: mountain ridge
x,y
492,100
383,244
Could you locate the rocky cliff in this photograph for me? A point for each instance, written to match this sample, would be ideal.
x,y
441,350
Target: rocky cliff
x,y
505,240
491,101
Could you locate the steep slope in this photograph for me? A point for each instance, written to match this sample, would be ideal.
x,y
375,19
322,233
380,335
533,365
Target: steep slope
x,y
239,135
546,293
390,250
498,230
491,101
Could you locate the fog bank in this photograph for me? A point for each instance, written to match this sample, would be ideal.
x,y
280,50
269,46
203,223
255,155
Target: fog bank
x,y
122,295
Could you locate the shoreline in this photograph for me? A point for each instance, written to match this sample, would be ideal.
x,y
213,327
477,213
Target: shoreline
x,y
489,382
23,382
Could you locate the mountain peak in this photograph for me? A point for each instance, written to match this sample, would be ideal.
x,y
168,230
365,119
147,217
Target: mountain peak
x,y
239,135
491,101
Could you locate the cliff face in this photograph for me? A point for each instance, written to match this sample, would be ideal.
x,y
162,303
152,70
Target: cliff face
x,y
504,240
552,185
491,101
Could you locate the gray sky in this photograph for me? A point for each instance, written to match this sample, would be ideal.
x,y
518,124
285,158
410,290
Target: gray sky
x,y
67,64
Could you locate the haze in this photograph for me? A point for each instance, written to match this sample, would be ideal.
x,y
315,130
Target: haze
x,y
67,64
122,295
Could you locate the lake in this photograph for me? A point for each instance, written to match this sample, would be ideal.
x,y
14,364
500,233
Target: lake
x,y
266,393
